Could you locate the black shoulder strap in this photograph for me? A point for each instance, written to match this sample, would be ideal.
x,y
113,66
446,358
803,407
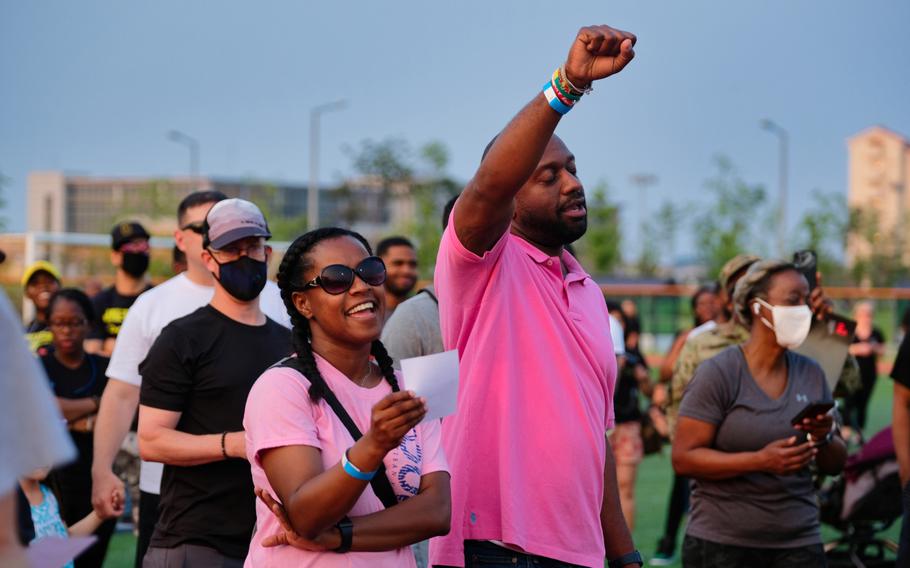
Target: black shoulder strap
x,y
430,294
380,482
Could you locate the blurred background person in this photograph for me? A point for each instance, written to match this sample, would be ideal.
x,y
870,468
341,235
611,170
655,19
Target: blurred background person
x,y
628,448
868,345
400,258
40,280
78,380
130,256
31,434
705,309
178,260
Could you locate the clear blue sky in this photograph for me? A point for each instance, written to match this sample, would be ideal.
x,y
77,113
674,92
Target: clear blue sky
x,y
92,87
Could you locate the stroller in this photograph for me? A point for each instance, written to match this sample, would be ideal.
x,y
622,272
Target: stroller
x,y
862,503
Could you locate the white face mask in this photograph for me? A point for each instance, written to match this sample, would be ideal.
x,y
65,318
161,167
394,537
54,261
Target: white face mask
x,y
791,323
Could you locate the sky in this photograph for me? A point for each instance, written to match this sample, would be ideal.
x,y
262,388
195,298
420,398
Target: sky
x,y
92,87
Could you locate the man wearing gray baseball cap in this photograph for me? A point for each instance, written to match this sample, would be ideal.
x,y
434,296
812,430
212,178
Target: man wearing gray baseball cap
x,y
195,382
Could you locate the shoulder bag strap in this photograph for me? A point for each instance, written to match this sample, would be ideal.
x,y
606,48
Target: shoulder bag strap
x,y
380,482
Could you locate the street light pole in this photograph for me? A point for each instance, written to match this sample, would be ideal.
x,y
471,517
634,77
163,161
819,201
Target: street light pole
x,y
313,187
193,145
783,159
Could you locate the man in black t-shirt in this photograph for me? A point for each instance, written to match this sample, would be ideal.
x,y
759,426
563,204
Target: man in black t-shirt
x,y
195,382
130,255
901,431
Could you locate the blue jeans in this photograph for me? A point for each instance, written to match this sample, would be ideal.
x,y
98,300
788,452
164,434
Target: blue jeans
x,y
483,554
700,553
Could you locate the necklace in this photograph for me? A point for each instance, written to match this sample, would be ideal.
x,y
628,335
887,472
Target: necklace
x,y
366,375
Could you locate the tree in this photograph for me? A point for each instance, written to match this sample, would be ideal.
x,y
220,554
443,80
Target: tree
x,y
879,257
726,228
600,246
824,228
392,165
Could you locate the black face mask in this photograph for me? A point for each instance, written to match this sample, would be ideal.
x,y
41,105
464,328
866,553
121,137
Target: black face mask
x,y
243,278
135,263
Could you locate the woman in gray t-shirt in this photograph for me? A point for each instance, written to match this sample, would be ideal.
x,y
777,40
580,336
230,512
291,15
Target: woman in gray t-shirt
x,y
753,502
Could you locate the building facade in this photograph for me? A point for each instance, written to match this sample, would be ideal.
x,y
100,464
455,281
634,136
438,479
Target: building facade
x,y
878,178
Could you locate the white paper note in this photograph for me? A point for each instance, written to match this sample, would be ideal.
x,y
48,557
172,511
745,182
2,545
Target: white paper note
x,y
54,552
435,378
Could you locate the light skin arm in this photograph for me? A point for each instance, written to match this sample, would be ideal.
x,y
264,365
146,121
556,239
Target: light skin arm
x,y
86,526
693,455
118,406
12,554
900,429
160,441
666,367
617,538
484,210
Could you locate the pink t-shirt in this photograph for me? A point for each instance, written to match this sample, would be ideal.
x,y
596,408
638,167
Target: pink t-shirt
x,y
279,413
527,446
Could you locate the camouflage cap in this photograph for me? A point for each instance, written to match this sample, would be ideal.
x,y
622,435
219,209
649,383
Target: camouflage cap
x,y
736,264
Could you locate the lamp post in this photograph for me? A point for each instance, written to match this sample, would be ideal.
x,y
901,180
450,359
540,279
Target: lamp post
x,y
784,141
192,144
313,187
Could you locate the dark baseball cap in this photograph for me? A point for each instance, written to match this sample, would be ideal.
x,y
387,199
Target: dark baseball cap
x,y
127,231
231,220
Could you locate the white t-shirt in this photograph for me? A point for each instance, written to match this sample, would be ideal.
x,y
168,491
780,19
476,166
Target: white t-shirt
x,y
32,431
151,312
707,326
618,337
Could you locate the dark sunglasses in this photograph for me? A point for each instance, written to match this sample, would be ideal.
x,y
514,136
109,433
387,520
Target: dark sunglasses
x,y
337,278
198,228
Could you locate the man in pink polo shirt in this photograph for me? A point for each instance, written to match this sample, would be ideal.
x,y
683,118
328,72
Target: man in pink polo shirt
x,y
532,472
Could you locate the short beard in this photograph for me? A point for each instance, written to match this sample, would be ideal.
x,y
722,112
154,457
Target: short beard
x,y
399,292
551,233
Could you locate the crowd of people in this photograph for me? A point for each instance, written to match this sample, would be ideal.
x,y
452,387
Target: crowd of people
x,y
254,423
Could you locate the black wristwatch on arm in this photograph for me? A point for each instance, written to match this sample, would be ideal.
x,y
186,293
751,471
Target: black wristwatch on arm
x,y
633,557
346,528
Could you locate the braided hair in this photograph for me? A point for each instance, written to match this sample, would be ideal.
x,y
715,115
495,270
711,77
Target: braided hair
x,y
290,280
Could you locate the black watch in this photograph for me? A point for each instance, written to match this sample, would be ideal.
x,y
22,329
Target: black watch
x,y
633,557
346,528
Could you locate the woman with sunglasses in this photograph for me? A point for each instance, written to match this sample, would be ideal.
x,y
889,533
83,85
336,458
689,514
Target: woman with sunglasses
x,y
300,451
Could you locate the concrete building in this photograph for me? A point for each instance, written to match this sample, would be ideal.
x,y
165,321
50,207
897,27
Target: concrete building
x,y
879,187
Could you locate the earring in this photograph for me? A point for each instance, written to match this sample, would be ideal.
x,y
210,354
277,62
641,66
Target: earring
x,y
756,308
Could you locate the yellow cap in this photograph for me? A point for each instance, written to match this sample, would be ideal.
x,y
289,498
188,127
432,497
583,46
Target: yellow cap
x,y
39,266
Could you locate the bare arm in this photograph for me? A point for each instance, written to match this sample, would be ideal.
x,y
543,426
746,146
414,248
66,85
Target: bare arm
x,y
12,554
901,429
666,366
316,499
115,414
86,526
485,208
617,538
693,455
160,441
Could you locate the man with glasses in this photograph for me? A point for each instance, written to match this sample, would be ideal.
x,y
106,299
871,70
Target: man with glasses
x,y
152,311
195,383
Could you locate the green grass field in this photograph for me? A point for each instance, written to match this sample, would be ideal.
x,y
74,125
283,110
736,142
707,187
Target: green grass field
x,y
653,489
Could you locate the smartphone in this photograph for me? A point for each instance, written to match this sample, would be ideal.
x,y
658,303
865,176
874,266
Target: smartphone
x,y
806,261
811,410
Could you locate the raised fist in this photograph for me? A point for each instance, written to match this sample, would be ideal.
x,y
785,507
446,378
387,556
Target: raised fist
x,y
598,52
